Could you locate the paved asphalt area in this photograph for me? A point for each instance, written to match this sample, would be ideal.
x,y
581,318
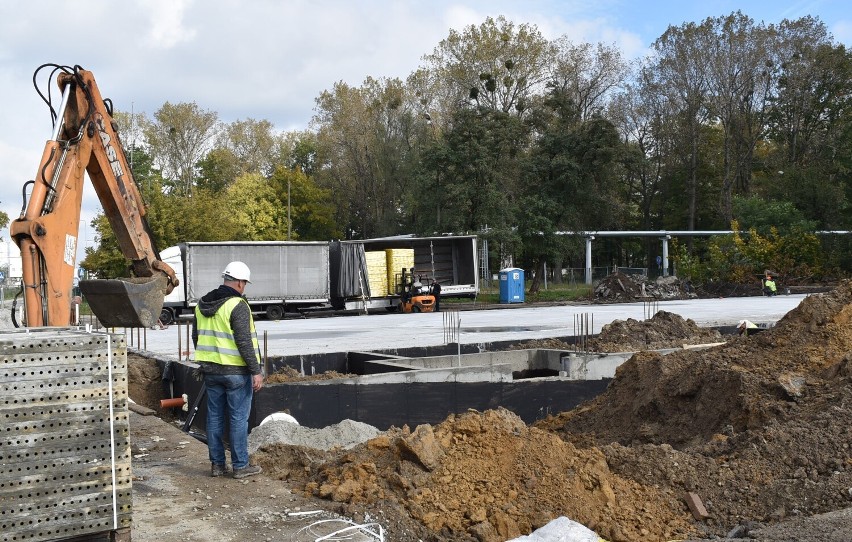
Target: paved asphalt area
x,y
510,322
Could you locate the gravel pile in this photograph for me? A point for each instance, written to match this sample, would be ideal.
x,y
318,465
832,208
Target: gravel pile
x,y
345,434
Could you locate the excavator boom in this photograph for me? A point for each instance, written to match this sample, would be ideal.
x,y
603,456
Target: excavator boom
x,y
85,140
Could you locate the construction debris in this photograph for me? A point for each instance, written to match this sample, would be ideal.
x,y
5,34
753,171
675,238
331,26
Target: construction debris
x,y
619,288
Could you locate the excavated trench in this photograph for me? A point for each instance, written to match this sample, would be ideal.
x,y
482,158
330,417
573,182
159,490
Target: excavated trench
x,y
412,386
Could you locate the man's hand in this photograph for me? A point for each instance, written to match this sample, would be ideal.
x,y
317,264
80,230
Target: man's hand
x,y
256,382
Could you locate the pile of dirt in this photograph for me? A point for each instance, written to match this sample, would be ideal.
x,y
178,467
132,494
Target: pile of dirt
x,y
619,288
481,476
289,374
760,427
663,330
546,344
144,381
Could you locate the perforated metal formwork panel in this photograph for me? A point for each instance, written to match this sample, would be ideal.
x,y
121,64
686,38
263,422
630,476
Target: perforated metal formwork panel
x,y
64,439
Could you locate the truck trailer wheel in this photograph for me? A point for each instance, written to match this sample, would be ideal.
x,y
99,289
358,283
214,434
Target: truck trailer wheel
x,y
167,316
274,312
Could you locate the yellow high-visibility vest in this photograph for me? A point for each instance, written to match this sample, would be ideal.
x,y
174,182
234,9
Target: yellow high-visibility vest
x,y
216,342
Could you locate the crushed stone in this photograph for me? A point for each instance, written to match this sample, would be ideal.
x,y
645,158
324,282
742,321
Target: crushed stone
x,y
345,434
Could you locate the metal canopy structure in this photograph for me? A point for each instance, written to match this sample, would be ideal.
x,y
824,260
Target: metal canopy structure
x,y
663,235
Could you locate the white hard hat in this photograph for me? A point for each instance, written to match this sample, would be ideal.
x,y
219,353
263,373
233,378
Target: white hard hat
x,y
237,271
279,417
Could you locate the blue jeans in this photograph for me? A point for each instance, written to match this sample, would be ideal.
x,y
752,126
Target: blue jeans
x,y
229,395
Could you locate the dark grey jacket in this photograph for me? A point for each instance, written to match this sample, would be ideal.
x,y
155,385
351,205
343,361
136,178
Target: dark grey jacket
x,y
240,325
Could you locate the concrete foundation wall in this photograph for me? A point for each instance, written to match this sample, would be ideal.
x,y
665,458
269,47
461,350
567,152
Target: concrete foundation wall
x,y
517,360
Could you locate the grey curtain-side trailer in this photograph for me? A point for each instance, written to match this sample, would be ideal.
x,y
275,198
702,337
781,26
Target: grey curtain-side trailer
x,y
285,275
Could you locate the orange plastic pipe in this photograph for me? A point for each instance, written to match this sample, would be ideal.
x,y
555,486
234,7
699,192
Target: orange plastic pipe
x,y
175,402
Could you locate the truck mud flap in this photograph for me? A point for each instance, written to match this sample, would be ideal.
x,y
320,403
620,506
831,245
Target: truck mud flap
x,y
134,302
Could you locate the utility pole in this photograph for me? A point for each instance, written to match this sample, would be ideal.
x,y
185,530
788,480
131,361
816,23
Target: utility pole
x,y
289,222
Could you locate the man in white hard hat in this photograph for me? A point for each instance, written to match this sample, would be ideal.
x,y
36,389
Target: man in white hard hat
x,y
227,350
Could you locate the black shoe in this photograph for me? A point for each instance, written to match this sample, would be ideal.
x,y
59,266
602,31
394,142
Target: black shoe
x,y
218,470
248,470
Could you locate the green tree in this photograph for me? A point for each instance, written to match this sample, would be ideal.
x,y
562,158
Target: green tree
x,y
739,84
253,143
497,65
741,258
217,170
309,207
678,71
254,207
298,150
481,171
643,121
589,74
569,181
809,122
363,150
178,138
761,215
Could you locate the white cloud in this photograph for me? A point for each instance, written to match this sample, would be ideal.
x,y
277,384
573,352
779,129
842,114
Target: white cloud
x,y
167,24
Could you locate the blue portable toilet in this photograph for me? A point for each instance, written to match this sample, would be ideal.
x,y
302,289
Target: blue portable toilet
x,y
512,285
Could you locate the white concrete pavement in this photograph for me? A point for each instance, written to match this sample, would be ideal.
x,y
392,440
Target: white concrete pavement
x,y
515,322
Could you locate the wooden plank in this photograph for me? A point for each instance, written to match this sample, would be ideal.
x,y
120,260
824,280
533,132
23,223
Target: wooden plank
x,y
139,409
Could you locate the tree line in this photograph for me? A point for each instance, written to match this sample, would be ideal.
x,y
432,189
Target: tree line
x,y
519,139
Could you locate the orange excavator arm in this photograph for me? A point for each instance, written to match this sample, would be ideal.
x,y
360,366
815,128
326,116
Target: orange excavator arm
x,y
85,139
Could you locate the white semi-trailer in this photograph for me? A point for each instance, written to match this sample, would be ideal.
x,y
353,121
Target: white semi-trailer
x,y
285,275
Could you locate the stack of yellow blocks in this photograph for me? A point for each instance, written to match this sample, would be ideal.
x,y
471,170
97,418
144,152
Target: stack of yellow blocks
x,y
377,273
397,260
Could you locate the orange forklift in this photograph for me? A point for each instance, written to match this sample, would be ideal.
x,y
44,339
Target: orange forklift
x,y
413,296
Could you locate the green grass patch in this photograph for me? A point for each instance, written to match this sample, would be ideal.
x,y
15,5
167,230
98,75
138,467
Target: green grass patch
x,y
554,293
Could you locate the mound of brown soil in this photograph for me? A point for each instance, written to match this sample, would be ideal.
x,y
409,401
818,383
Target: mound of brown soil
x,y
663,330
761,426
487,476
288,374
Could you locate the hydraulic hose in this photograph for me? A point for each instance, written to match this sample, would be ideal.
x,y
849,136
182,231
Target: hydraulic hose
x,y
15,306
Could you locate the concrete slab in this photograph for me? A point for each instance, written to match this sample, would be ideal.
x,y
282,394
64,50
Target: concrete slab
x,y
385,331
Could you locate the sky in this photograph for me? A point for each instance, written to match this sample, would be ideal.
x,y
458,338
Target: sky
x,y
270,59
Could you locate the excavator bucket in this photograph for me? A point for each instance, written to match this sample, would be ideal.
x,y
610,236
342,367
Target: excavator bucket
x,y
135,302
